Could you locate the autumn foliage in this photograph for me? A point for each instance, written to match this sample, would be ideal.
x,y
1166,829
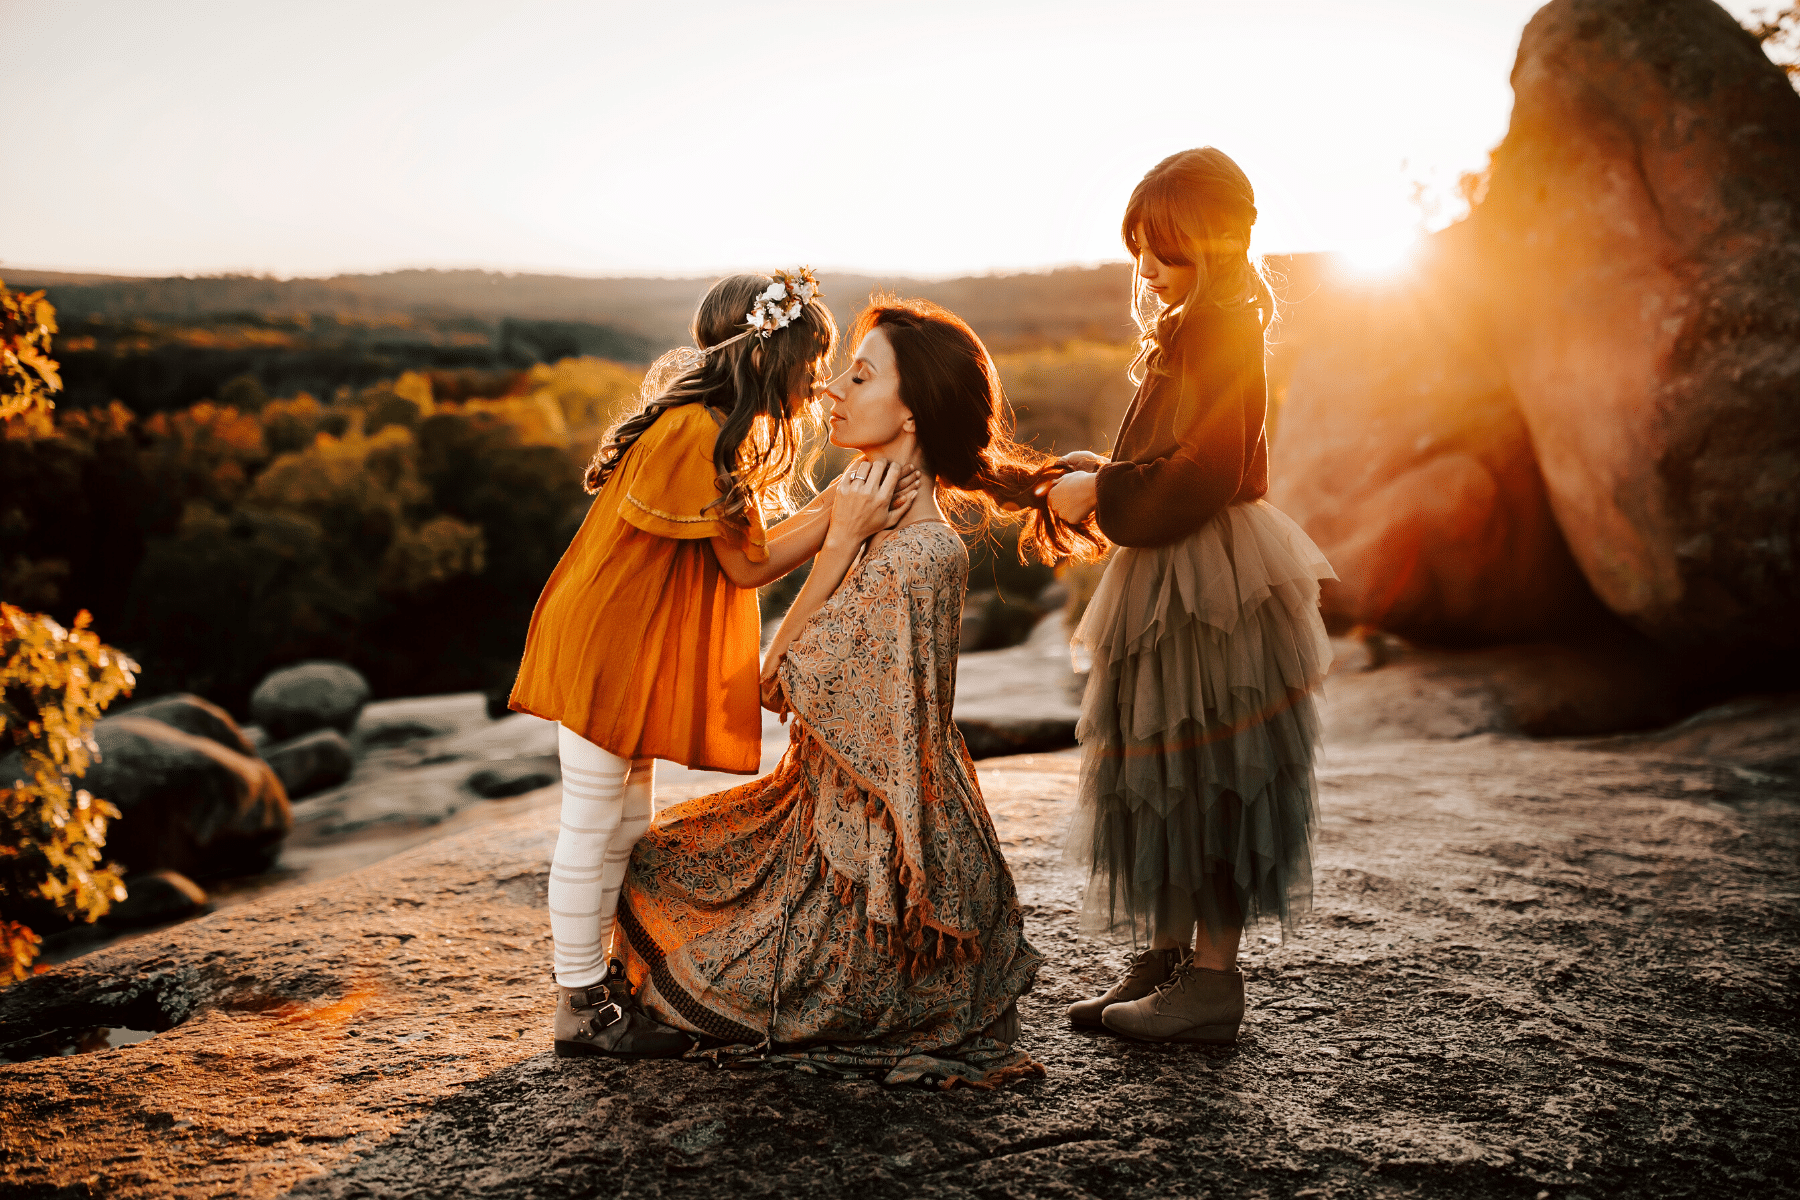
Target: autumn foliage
x,y
54,683
28,375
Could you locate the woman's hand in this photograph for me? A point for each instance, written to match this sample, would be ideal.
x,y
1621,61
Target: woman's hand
x,y
1074,496
769,687
864,504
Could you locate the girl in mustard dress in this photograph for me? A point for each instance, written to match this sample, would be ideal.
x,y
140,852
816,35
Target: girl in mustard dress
x,y
644,642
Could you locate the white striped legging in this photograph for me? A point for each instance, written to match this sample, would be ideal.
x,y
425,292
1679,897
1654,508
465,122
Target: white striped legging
x,y
605,809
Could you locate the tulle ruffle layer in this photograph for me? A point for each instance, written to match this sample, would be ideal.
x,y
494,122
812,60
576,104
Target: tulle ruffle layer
x,y
1197,795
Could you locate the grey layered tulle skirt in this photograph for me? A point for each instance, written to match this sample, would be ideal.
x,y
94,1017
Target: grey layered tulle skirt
x,y
1197,797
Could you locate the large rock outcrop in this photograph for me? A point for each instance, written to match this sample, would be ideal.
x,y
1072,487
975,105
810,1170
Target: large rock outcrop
x,y
1639,244
1587,396
1403,453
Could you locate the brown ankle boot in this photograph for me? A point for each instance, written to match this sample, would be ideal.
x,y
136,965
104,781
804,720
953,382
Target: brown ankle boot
x,y
605,1019
1147,969
1193,1005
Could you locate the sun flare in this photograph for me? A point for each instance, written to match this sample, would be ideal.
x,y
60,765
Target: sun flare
x,y
1379,258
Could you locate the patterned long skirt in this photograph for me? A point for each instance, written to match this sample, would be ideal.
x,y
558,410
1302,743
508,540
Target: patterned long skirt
x,y
748,936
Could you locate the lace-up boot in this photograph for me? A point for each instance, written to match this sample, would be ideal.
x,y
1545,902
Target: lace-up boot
x,y
606,1019
1146,969
1193,1005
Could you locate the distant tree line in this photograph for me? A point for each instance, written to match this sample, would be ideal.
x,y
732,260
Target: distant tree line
x,y
401,533
156,365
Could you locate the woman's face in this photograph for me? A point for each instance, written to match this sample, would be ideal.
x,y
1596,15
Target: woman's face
x,y
866,411
1170,283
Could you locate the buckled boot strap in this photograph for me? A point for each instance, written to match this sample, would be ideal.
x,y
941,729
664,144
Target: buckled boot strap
x,y
603,1017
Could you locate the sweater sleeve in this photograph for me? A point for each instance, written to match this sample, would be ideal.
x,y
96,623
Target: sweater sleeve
x,y
1218,391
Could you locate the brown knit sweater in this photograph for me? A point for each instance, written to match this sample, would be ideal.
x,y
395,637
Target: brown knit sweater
x,y
1192,441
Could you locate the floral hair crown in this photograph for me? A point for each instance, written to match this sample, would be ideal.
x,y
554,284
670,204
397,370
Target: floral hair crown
x,y
777,307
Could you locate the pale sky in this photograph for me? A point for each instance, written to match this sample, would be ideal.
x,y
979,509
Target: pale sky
x,y
933,137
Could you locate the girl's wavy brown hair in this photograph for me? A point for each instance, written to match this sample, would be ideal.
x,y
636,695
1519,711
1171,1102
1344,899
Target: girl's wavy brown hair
x,y
1194,208
751,382
948,382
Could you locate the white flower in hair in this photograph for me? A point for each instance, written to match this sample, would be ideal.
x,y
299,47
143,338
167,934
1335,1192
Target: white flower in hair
x,y
769,313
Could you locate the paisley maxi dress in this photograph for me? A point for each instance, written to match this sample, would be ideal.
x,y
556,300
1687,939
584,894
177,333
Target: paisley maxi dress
x,y
851,909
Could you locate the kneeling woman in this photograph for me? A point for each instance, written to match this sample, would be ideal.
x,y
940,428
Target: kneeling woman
x,y
851,911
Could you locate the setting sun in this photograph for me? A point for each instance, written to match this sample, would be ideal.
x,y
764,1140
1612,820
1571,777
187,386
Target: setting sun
x,y
1378,258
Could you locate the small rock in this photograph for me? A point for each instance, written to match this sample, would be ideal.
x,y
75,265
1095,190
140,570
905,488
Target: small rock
x,y
309,696
311,762
991,737
974,621
512,779
395,733
156,897
992,621
499,701
192,714
186,803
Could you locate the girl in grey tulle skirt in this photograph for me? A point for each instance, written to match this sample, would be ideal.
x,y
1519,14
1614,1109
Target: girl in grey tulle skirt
x,y
1197,796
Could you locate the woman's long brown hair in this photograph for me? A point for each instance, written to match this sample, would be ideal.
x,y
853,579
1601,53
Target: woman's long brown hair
x,y
751,382
948,382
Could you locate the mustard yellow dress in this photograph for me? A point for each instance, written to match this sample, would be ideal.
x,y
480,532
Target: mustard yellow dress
x,y
639,642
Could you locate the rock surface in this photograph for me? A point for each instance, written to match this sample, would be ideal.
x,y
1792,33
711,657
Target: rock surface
x,y
1640,246
1532,967
187,803
309,696
195,715
311,762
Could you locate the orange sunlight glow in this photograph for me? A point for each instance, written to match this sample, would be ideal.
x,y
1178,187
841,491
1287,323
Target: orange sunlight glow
x,y
1378,257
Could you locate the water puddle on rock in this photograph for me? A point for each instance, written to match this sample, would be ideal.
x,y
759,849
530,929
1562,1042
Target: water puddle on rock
x,y
65,1042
